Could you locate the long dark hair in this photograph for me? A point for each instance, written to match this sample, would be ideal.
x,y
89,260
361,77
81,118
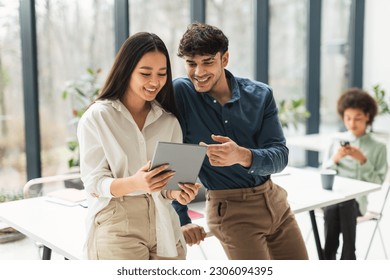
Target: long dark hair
x,y
127,58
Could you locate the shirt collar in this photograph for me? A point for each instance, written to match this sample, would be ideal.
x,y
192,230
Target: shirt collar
x,y
349,136
118,105
155,112
233,85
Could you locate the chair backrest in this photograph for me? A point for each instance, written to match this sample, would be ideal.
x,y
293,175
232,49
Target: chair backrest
x,y
383,137
379,199
386,185
44,180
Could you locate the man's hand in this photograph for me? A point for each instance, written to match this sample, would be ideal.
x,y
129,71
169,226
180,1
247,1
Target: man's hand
x,y
227,153
193,234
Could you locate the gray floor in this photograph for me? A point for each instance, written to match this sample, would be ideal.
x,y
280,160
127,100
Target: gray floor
x,y
27,249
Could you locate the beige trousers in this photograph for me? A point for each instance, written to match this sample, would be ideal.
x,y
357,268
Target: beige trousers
x,y
255,223
126,230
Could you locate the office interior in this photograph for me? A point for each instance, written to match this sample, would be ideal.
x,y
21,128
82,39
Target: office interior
x,y
308,50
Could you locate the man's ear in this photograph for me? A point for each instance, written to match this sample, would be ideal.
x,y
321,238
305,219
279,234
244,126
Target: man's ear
x,y
225,59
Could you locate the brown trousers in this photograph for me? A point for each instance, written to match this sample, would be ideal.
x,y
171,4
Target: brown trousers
x,y
255,223
126,230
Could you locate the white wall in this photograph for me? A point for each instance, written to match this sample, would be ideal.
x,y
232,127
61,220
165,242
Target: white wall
x,y
377,44
377,52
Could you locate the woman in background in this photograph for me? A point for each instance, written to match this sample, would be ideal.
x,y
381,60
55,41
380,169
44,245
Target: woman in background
x,y
357,155
130,214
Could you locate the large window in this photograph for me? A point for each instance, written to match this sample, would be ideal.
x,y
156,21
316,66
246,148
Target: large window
x,y
287,55
72,36
167,19
287,48
235,19
334,60
12,156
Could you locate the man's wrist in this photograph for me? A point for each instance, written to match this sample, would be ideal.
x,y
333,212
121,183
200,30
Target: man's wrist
x,y
246,157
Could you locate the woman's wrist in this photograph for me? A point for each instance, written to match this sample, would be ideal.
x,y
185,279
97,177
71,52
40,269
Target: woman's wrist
x,y
167,194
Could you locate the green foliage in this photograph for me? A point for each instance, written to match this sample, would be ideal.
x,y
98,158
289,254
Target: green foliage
x,y
292,112
72,145
82,92
6,196
380,98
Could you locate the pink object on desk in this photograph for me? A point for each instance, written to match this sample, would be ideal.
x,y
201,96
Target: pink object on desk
x,y
194,214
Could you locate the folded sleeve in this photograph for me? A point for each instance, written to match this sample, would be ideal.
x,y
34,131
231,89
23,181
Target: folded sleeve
x,y
94,168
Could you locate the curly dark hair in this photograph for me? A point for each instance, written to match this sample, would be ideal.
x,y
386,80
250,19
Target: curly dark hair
x,y
357,98
202,39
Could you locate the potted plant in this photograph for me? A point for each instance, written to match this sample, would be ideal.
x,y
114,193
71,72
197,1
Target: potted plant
x,y
292,112
81,92
380,98
380,125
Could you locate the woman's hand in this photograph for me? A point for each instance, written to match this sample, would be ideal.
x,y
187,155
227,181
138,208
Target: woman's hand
x,y
154,180
144,179
341,152
357,154
186,195
351,151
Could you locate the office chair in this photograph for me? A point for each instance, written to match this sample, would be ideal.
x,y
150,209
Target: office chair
x,y
376,218
370,216
34,187
46,180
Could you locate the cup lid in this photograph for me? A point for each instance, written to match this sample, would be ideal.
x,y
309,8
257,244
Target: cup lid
x,y
328,172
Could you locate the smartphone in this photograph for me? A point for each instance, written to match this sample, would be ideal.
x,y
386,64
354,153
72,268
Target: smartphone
x,y
344,143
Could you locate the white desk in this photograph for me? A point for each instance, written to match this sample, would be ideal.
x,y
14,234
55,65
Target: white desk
x,y
305,192
58,227
62,229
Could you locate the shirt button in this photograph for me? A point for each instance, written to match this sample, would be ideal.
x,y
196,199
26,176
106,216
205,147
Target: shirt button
x,y
226,121
252,171
215,101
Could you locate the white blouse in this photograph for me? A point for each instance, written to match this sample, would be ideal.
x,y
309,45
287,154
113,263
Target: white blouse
x,y
112,146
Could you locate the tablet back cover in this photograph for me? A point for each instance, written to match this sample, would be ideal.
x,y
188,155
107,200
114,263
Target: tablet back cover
x,y
185,159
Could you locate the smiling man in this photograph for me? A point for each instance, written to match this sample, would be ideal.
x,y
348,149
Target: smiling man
x,y
237,119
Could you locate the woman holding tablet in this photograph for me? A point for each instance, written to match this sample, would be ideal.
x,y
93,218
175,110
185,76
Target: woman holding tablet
x,y
130,214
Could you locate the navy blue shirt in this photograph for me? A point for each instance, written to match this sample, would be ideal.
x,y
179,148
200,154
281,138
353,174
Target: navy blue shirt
x,y
250,119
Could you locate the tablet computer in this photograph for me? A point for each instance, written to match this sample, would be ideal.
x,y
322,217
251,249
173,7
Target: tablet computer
x,y
185,159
